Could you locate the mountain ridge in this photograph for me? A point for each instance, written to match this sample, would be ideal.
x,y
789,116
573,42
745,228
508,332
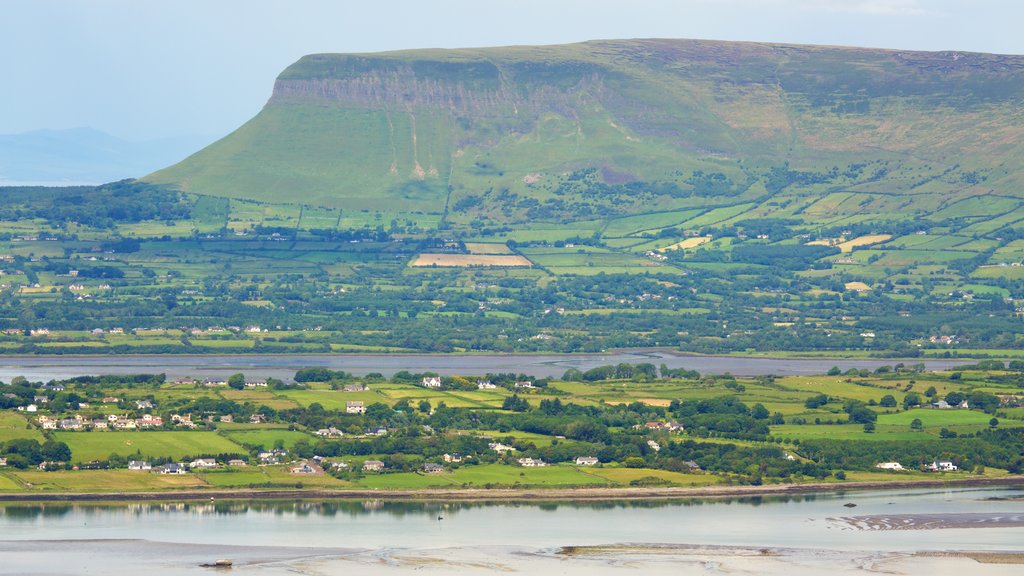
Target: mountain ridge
x,y
571,132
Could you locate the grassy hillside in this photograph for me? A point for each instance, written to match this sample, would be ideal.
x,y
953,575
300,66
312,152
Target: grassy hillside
x,y
569,133
714,197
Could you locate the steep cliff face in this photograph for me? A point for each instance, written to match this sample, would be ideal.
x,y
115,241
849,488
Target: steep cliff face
x,y
612,126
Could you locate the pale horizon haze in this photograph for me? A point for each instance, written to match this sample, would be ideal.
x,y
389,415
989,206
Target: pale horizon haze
x,y
159,69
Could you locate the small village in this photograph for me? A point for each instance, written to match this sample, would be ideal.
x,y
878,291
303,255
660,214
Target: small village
x,y
323,427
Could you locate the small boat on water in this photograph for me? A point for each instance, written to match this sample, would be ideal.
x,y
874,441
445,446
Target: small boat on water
x,y
218,564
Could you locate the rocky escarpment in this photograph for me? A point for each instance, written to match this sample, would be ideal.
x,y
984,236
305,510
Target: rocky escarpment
x,y
505,129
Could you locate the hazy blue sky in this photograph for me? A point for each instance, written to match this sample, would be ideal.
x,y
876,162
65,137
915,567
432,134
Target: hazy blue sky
x,y
143,69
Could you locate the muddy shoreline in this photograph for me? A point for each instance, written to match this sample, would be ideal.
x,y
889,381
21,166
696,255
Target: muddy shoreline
x,y
507,495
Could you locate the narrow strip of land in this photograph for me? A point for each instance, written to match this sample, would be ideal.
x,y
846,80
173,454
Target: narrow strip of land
x,y
516,494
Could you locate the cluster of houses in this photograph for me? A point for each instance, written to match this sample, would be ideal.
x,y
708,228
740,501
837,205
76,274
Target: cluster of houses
x,y
435,383
660,426
943,405
181,467
936,466
268,457
113,422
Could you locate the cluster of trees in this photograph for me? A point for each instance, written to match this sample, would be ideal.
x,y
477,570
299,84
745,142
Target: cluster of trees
x,y
643,372
995,448
26,452
123,202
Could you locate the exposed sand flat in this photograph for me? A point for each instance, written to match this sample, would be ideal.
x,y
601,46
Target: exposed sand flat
x,y
930,521
166,558
465,260
982,557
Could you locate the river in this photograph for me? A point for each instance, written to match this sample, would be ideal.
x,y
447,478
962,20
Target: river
x,y
283,366
809,534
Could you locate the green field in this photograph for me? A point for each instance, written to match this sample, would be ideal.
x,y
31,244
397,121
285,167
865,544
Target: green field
x,y
487,475
103,480
268,438
14,425
88,446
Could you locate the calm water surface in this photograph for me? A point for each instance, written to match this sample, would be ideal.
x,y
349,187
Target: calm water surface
x,y
805,521
393,537
283,366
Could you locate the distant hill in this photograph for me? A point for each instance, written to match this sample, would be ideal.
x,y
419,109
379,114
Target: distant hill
x,y
590,130
84,156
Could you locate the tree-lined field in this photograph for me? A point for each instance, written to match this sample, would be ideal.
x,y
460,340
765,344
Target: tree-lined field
x,y
645,426
697,279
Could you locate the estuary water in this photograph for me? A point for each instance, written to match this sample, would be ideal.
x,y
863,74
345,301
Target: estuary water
x,y
893,532
283,366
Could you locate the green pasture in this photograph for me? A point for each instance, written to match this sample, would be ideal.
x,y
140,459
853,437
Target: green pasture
x,y
88,446
268,438
626,225
9,484
935,418
235,477
624,476
113,481
848,432
487,475
14,425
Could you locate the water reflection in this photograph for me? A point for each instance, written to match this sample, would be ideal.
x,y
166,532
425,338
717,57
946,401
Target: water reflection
x,y
353,508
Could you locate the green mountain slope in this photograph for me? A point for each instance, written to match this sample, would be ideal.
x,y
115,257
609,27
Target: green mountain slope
x,y
587,131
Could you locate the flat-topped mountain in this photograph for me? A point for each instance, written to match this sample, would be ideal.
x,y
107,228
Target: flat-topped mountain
x,y
588,130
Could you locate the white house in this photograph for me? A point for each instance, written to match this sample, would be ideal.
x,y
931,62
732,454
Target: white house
x,y
942,466
890,466
203,463
139,465
355,407
432,382
500,448
149,421
304,468
531,462
268,457
173,469
586,460
485,385
373,466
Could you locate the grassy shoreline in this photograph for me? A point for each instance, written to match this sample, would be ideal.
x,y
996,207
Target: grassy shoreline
x,y
511,494
874,355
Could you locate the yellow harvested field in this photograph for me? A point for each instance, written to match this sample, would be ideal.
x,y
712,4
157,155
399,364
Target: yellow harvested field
x,y
826,242
849,245
857,286
688,243
464,260
649,401
486,248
